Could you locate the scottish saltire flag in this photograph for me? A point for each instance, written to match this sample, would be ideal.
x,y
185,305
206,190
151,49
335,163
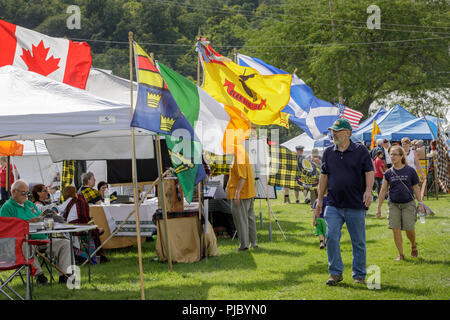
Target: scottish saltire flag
x,y
157,111
353,116
312,115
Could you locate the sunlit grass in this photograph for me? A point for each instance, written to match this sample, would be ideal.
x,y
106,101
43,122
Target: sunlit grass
x,y
278,270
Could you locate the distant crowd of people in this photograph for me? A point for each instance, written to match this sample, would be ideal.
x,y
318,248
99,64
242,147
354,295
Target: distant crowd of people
x,y
348,172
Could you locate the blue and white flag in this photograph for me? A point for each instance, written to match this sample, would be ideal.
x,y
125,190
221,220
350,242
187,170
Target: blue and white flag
x,y
312,115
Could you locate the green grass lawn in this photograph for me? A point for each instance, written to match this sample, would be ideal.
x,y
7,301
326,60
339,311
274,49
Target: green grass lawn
x,y
278,270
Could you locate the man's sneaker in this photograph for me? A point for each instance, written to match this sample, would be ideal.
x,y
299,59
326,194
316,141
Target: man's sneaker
x,y
322,245
41,280
333,280
307,201
359,280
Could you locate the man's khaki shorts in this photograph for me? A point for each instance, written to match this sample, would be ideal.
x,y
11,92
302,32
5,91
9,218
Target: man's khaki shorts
x,y
402,215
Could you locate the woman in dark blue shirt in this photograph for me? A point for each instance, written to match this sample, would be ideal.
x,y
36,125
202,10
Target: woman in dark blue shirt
x,y
403,183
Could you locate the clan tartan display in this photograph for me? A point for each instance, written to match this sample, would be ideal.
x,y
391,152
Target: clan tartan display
x,y
442,162
91,195
283,168
219,164
68,174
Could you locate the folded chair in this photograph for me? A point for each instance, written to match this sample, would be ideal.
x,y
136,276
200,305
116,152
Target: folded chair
x,y
13,234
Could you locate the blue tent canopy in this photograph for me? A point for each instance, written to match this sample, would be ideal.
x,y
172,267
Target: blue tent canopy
x,y
368,122
323,142
396,116
413,129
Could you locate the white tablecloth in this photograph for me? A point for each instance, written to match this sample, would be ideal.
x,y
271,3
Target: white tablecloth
x,y
117,213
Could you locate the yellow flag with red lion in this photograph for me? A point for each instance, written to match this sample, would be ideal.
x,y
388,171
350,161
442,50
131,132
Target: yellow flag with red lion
x,y
260,98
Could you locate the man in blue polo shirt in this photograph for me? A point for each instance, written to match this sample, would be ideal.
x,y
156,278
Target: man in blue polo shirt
x,y
348,174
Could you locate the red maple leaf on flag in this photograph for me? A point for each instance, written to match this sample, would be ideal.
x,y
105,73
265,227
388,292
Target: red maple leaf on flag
x,y
37,61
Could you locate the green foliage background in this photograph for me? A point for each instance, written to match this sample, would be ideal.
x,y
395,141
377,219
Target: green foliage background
x,y
307,36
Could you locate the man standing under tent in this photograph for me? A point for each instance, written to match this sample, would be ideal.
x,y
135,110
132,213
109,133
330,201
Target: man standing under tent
x,y
241,190
348,175
3,173
300,158
316,160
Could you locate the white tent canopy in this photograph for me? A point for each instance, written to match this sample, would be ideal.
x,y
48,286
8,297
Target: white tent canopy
x,y
303,140
35,107
103,84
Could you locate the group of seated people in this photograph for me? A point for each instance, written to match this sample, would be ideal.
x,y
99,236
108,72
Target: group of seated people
x,y
90,194
74,210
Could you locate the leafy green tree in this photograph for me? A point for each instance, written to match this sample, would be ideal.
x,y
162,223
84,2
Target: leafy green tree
x,y
370,63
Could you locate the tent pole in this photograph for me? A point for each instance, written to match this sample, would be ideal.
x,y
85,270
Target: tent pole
x,y
134,171
126,219
269,207
436,185
199,185
162,199
161,194
39,163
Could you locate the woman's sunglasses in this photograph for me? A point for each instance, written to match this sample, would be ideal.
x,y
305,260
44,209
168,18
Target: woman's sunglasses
x,y
25,193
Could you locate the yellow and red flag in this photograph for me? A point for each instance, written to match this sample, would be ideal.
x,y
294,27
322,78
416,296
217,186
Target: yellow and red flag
x,y
375,131
260,98
11,148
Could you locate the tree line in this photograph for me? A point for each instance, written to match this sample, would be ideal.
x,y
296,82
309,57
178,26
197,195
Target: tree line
x,y
330,44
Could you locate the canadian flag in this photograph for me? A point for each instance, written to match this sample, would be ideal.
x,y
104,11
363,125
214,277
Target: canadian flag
x,y
60,59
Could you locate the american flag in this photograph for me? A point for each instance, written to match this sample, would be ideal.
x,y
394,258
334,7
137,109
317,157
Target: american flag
x,y
351,115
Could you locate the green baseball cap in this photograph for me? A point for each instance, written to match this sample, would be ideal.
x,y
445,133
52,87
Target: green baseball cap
x,y
341,124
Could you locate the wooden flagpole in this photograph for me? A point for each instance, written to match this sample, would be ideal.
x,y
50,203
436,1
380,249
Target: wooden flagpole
x,y
199,185
133,168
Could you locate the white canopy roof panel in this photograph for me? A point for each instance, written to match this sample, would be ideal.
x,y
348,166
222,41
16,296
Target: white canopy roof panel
x,y
37,107
34,107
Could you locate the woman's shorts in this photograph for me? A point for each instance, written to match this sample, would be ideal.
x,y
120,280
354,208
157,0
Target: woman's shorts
x,y
402,215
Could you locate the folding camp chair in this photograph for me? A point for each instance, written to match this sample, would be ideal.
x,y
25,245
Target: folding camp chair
x,y
13,234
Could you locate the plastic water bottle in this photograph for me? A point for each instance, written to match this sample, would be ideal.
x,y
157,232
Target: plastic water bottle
x,y
422,217
107,198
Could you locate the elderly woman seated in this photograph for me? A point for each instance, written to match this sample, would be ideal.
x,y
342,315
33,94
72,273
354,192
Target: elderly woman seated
x,y
101,187
75,209
87,190
41,198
